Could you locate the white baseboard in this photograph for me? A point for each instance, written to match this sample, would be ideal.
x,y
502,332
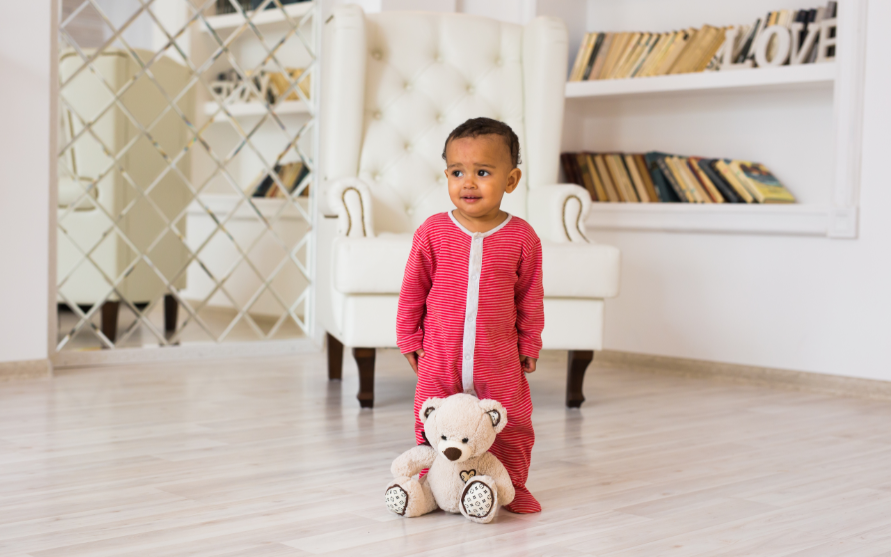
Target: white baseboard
x,y
25,369
750,375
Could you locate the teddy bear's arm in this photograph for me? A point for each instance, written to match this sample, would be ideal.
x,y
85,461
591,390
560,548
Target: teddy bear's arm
x,y
412,461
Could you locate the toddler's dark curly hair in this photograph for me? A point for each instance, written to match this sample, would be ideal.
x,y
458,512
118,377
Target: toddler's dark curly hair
x,y
476,127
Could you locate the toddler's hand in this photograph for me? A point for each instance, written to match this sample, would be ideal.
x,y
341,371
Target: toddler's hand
x,y
412,358
528,363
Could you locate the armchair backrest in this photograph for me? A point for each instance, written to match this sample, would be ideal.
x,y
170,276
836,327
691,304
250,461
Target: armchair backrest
x,y
396,84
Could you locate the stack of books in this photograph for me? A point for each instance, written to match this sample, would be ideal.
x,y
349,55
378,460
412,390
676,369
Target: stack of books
x,y
656,177
289,174
640,54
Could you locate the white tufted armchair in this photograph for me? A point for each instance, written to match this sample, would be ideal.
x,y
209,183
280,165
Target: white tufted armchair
x,y
395,85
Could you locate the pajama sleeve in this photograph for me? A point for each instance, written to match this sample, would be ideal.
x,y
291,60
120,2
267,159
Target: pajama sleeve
x,y
529,296
416,284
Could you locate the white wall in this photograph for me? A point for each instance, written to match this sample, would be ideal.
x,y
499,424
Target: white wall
x,y
513,11
811,304
25,33
374,6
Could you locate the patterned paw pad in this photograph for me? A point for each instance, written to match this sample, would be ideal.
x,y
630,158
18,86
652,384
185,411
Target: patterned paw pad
x,y
477,499
397,499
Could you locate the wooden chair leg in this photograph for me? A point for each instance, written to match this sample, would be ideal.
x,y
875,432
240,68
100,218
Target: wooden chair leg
x,y
171,310
365,360
335,358
109,323
576,366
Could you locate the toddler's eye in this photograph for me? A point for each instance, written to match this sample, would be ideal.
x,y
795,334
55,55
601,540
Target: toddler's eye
x,y
457,173
443,437
465,440
482,173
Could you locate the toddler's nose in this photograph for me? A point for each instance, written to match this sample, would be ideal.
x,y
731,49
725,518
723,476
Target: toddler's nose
x,y
452,453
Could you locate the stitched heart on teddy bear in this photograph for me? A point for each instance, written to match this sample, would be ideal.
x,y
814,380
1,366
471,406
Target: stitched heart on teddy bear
x,y
467,474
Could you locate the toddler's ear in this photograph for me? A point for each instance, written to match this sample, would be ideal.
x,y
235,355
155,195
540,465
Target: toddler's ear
x,y
429,406
496,413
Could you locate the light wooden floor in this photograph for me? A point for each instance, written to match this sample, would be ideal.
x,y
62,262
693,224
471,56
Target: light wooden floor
x,y
266,458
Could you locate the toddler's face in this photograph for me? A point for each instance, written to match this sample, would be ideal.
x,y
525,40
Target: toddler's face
x,y
480,172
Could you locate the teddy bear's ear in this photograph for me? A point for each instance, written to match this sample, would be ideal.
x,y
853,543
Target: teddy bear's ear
x,y
429,406
496,413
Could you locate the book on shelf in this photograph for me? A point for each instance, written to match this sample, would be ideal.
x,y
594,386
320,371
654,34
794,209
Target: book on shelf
x,y
627,54
633,171
726,190
664,192
723,169
612,193
657,177
290,176
763,185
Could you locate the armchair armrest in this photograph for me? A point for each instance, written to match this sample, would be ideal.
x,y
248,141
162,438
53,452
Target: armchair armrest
x,y
350,199
558,212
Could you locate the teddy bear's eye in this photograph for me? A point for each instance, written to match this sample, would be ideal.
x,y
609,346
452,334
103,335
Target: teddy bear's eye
x,y
443,437
465,440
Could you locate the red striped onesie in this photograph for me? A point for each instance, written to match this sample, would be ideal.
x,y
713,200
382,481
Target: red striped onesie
x,y
474,302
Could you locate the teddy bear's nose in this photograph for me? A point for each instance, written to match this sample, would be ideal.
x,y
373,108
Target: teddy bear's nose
x,y
452,453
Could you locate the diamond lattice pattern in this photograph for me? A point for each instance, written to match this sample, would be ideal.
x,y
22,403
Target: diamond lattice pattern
x,y
186,156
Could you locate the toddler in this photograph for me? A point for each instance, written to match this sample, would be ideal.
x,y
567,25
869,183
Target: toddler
x,y
471,307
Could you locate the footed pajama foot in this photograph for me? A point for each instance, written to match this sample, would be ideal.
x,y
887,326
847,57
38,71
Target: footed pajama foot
x,y
479,500
523,503
409,497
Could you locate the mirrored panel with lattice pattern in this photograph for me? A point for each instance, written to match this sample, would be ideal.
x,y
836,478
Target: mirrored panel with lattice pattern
x,y
187,145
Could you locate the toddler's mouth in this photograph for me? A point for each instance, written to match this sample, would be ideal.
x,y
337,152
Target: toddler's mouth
x,y
470,198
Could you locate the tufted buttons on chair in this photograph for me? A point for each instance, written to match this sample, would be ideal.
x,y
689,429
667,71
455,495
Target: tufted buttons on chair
x,y
427,74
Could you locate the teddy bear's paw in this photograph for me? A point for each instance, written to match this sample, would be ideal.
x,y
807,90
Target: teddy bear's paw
x,y
478,501
397,499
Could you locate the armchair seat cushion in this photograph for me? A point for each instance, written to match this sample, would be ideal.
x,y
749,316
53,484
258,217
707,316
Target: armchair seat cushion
x,y
571,270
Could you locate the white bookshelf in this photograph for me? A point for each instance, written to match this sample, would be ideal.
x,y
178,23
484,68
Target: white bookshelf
x,y
264,18
250,52
803,122
253,109
225,204
248,147
795,219
788,78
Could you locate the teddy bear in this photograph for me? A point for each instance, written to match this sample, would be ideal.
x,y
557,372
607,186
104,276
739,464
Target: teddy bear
x,y
463,476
